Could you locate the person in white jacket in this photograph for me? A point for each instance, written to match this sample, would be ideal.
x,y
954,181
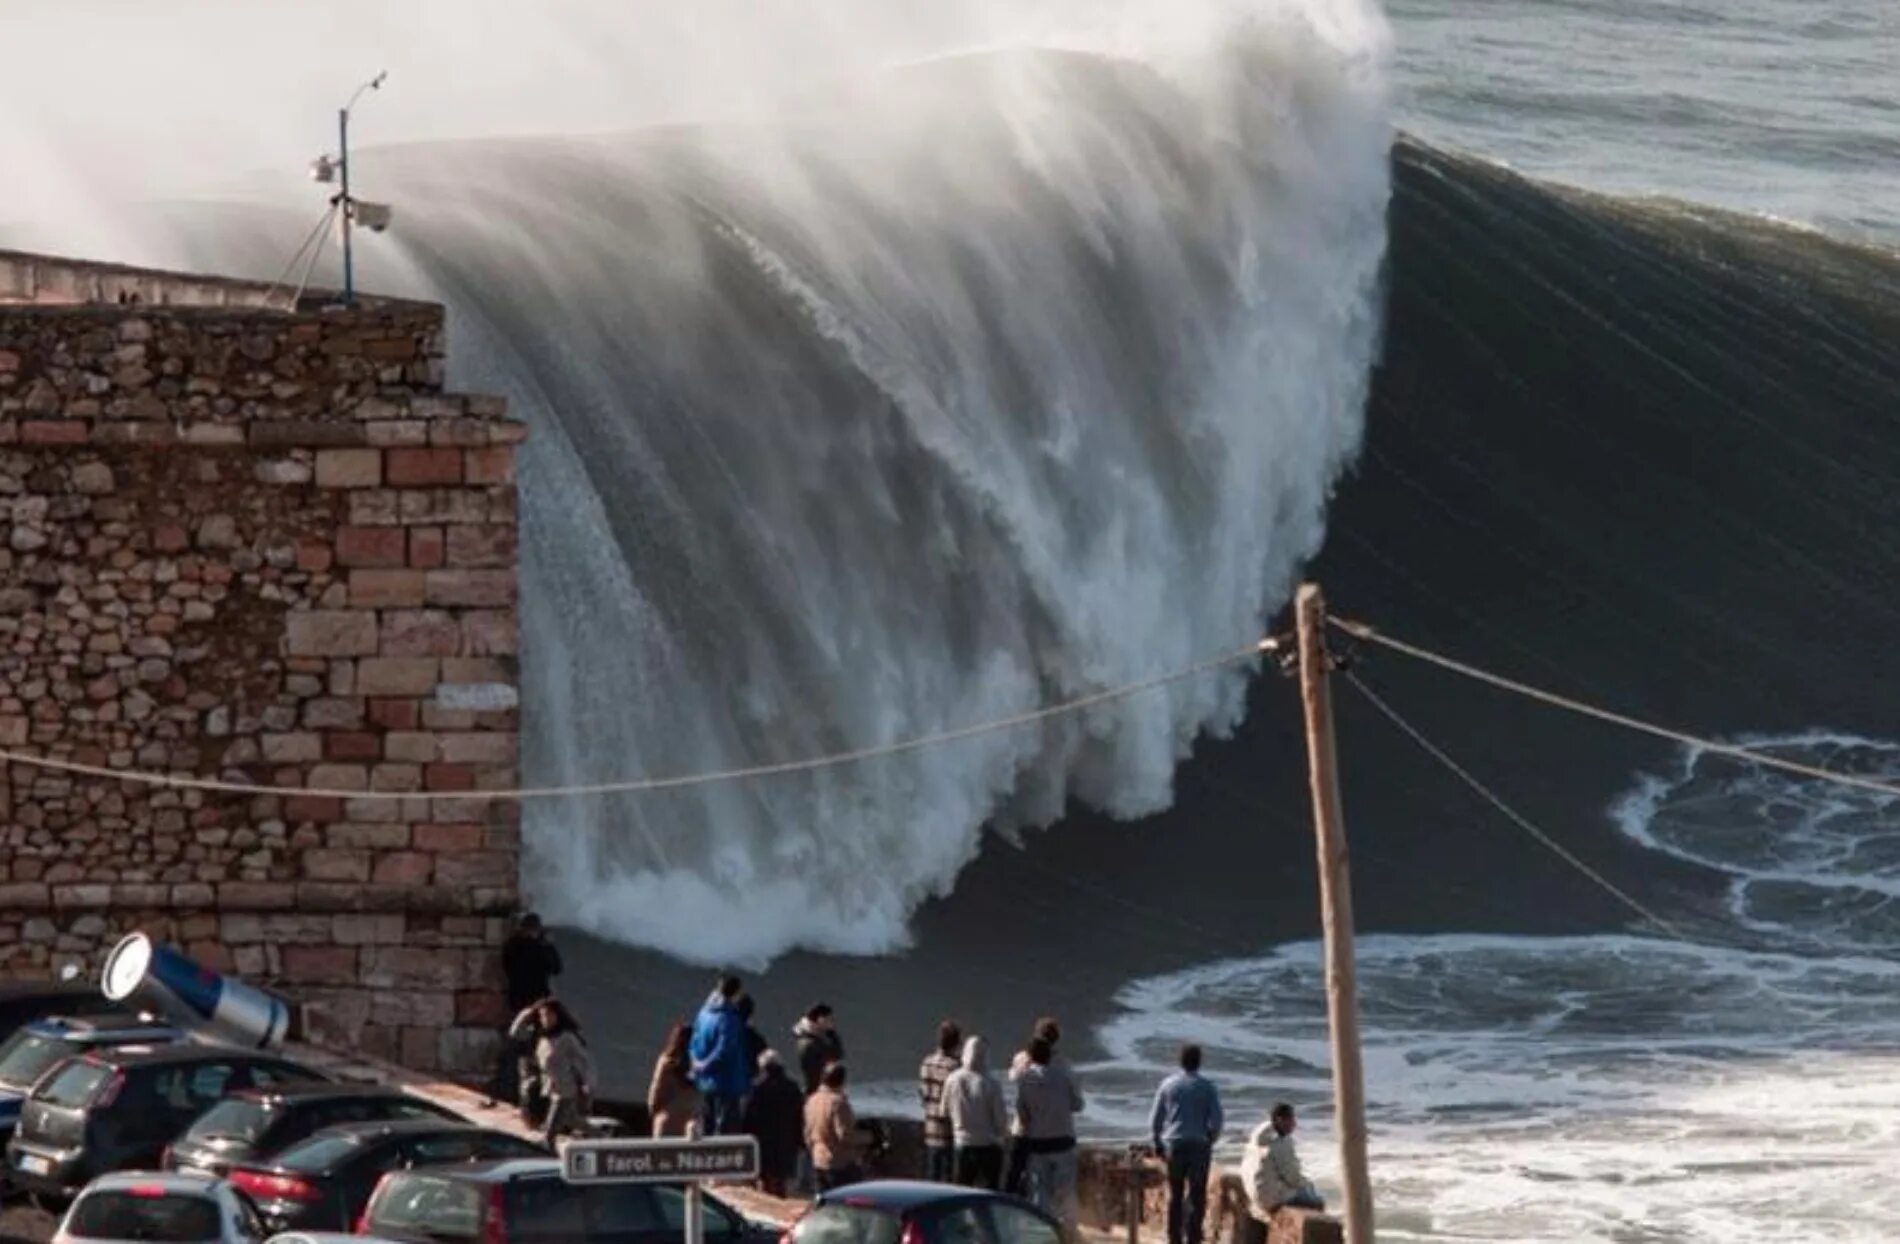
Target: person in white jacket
x,y
567,1069
979,1118
1271,1168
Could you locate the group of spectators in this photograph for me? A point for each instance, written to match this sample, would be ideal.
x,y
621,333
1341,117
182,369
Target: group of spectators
x,y
719,1076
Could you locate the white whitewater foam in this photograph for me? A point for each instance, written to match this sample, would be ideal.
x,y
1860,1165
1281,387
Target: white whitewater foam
x,y
1605,1088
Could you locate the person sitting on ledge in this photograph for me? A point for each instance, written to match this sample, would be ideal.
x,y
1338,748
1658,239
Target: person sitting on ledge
x,y
1271,1169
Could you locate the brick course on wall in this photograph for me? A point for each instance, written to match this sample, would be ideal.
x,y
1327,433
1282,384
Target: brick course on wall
x,y
265,548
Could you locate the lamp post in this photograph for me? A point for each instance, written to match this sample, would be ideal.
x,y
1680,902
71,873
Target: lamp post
x,y
343,171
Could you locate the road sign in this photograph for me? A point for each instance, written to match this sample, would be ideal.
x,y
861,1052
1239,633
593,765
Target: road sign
x,y
716,1159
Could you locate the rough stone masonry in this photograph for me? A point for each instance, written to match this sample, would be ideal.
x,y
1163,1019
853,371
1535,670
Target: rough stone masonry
x,y
257,542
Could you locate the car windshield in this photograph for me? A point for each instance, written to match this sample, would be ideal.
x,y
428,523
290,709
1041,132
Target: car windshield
x,y
73,1085
846,1224
234,1118
27,1055
165,1218
318,1153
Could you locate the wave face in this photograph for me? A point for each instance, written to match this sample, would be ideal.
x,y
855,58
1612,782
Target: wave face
x,y
1016,377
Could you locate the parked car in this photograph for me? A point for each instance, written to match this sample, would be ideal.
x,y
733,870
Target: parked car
x,y
323,1182
323,1237
22,1002
142,1207
45,1043
114,1110
259,1122
525,1201
902,1212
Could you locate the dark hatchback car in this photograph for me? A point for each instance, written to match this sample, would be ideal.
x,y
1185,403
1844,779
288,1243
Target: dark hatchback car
x,y
322,1182
43,1044
261,1121
117,1109
899,1212
527,1202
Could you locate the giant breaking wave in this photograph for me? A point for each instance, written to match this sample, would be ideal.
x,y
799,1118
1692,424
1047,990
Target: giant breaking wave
x,y
1013,378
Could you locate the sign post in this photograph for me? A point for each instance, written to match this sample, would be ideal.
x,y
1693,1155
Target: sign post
x,y
689,1162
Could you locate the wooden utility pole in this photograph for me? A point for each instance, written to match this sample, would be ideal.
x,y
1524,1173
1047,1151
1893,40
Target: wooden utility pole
x,y
1335,900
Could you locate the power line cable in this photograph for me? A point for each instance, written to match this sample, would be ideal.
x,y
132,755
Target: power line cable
x,y
1362,631
1252,651
1491,797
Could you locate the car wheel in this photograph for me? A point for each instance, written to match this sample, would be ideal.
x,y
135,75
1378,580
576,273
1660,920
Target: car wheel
x,y
50,1203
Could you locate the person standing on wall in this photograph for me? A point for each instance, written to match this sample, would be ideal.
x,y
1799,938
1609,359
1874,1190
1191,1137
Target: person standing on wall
x,y
1186,1123
1047,1101
718,1052
939,1137
819,1045
979,1118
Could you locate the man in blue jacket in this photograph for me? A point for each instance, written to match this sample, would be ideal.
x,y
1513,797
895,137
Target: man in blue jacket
x,y
1186,1122
720,1066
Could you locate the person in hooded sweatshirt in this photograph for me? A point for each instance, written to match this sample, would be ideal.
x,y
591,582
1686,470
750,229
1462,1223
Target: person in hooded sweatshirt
x,y
720,1069
979,1118
819,1045
775,1117
1271,1169
1047,1101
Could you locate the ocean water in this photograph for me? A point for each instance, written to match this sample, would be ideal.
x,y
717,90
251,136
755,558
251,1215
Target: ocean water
x,y
1784,108
1612,1087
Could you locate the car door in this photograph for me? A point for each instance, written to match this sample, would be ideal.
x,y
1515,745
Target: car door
x,y
721,1223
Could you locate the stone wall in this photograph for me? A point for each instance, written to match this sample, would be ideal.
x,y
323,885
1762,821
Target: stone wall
x,y
263,548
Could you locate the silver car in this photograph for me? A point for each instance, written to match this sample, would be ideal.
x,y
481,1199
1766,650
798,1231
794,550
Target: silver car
x,y
149,1207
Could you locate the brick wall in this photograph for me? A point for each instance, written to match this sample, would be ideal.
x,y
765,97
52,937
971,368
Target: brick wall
x,y
266,548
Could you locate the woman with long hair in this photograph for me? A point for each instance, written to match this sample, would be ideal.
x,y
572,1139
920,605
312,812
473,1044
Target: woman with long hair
x,y
672,1098
567,1069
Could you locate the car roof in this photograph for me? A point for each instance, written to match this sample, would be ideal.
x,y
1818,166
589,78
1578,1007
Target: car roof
x,y
131,1056
899,1196
107,1027
497,1171
325,1090
168,1181
376,1131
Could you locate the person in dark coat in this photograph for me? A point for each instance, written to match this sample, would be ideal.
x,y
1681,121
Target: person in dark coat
x,y
775,1116
755,1042
819,1045
529,964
